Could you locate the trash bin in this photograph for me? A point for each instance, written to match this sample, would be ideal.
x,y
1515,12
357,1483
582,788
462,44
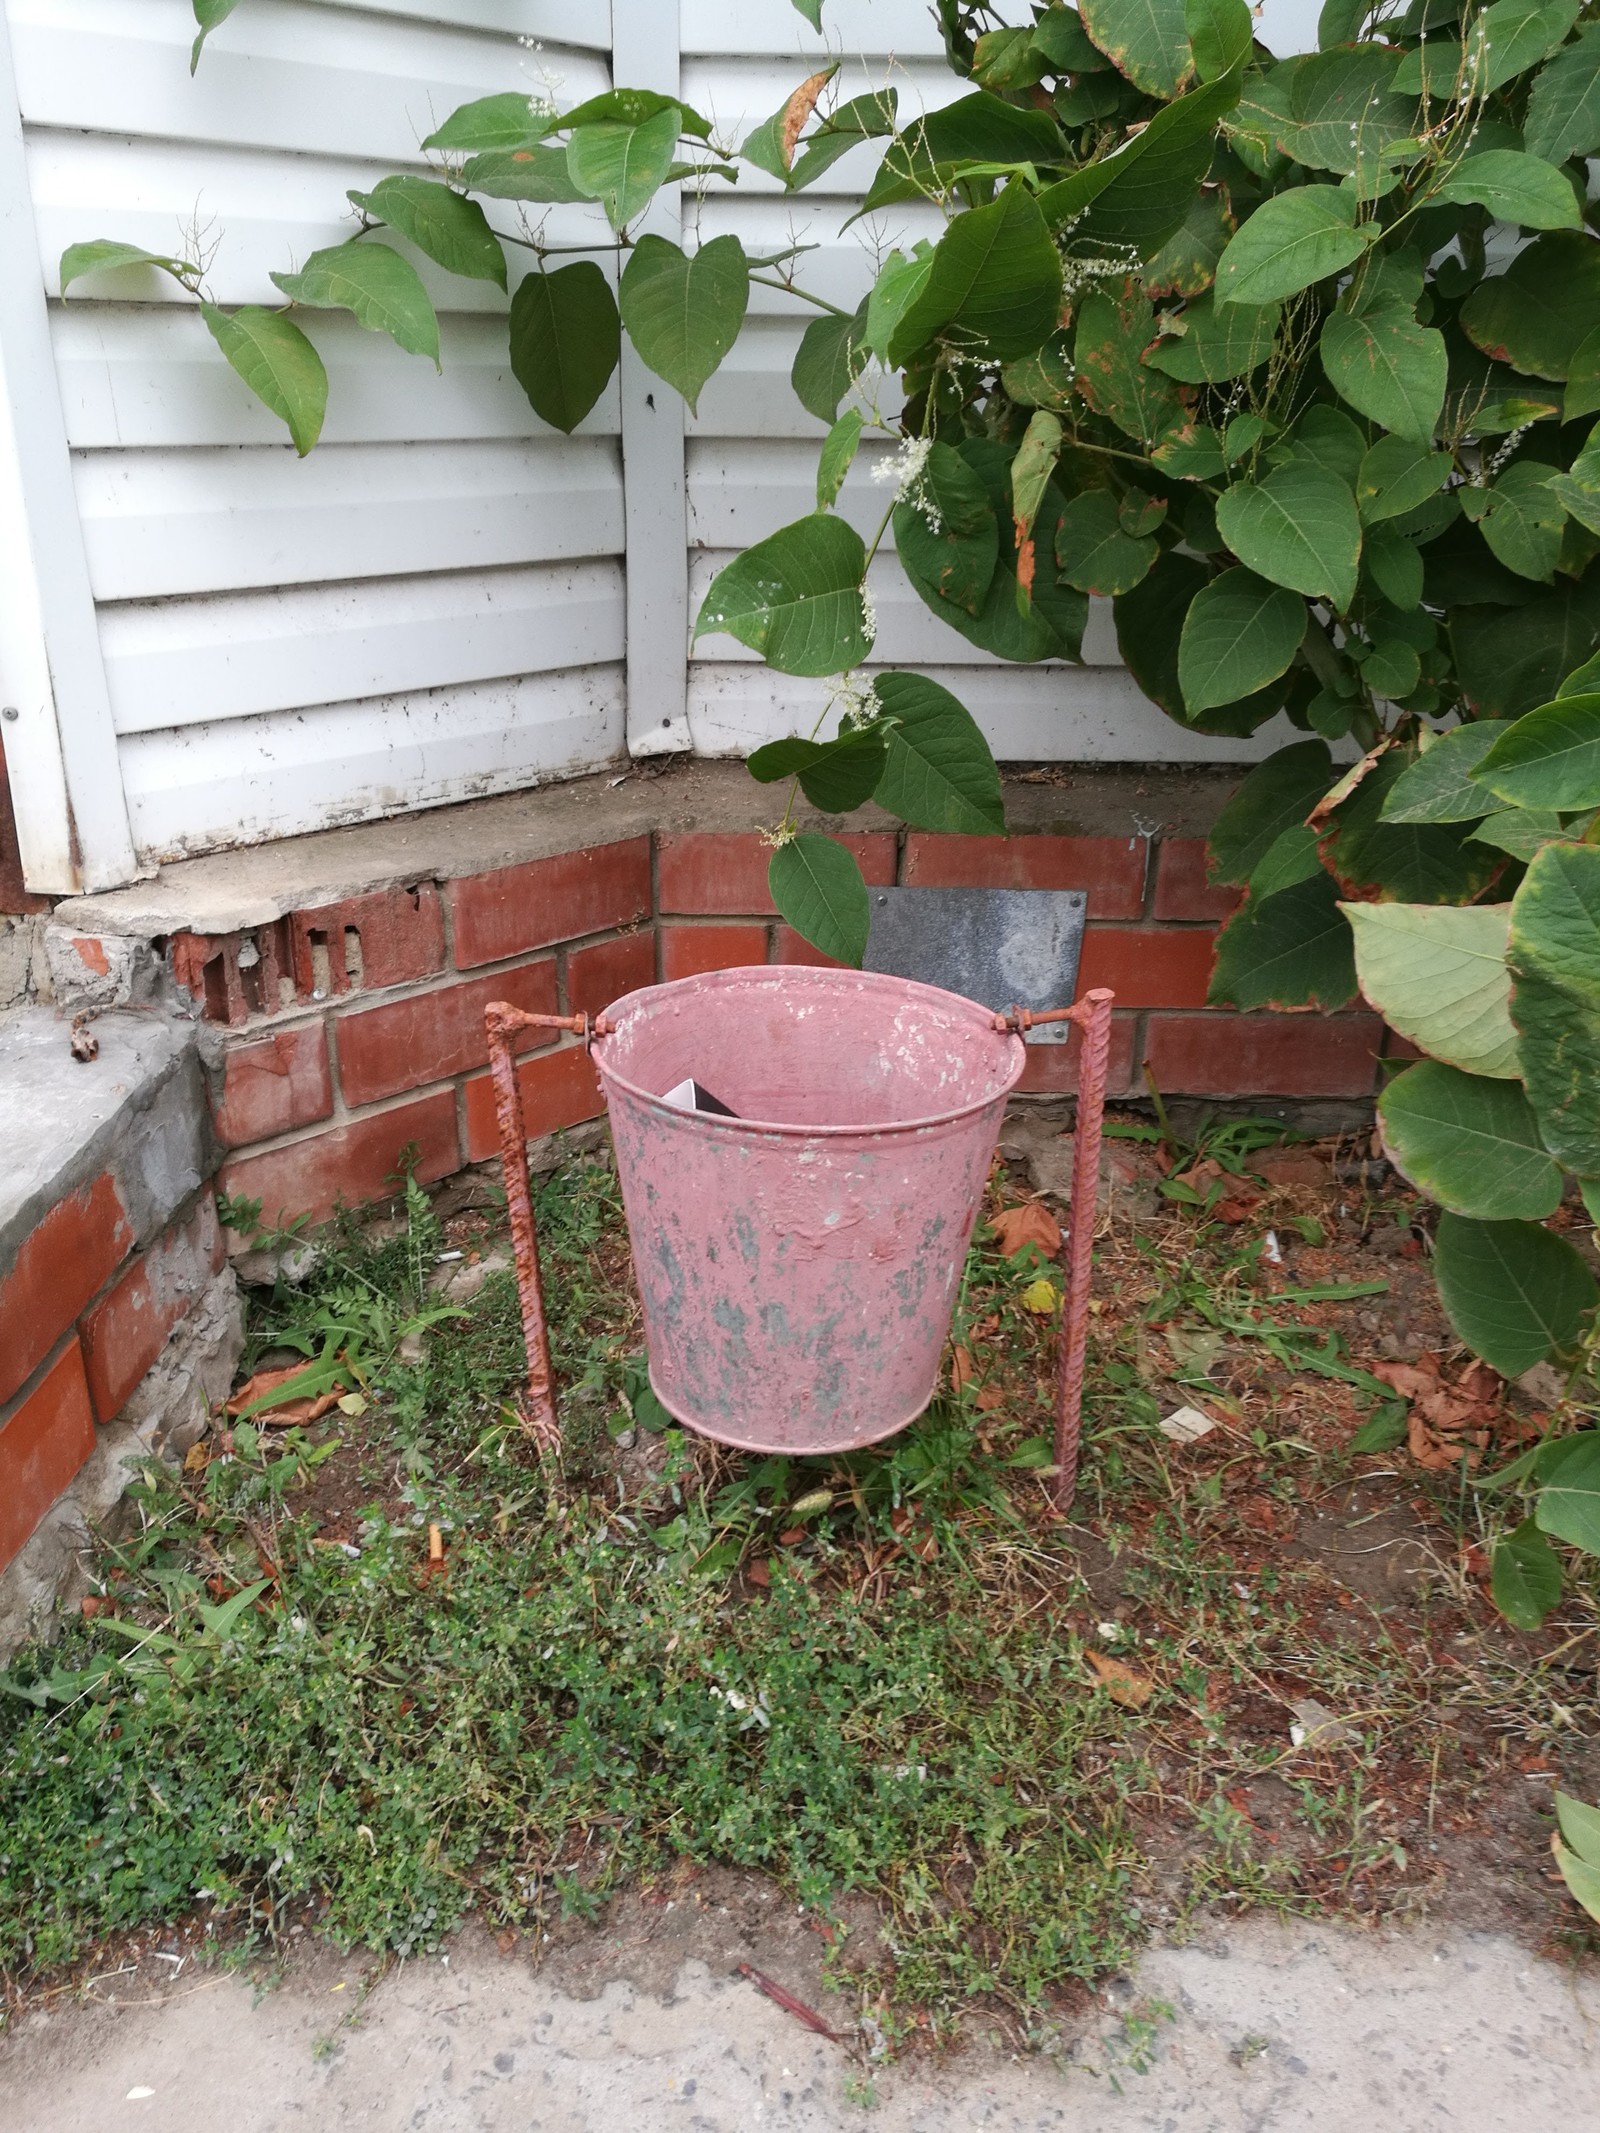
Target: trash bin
x,y
798,1261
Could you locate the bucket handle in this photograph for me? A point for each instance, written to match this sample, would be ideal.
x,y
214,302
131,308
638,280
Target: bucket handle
x,y
1091,1014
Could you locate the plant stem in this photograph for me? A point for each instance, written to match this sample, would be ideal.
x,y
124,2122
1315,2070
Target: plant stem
x,y
768,281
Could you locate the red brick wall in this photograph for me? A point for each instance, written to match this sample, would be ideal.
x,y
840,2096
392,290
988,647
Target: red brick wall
x,y
83,1316
380,1046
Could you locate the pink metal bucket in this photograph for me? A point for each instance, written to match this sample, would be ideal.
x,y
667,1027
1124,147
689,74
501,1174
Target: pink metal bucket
x,y
798,1263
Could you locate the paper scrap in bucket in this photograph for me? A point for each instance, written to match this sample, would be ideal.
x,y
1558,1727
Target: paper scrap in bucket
x,y
689,1096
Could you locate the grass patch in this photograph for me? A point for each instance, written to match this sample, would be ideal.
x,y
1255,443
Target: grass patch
x,y
868,1677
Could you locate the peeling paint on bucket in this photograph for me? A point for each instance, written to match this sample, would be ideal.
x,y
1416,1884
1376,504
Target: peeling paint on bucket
x,y
798,1263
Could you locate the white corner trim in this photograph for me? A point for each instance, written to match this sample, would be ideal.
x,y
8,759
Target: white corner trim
x,y
646,41
61,748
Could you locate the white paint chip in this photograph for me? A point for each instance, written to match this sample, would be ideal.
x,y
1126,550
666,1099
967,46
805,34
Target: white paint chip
x,y
1187,1425
138,2095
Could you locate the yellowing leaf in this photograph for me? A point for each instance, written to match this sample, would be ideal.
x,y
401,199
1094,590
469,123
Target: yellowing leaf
x,y
1040,1297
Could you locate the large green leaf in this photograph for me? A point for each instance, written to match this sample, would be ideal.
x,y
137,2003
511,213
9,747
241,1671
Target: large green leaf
x,y
278,363
1523,521
994,288
683,314
1579,1826
1525,1577
796,598
1514,1292
1147,40
537,174
490,122
1521,831
452,230
1514,188
1558,1050
1277,796
623,166
1143,193
1220,35
1569,1498
1439,786
1298,528
1538,313
1550,758
1240,633
1215,345
1564,107
566,339
1289,950
1343,113
1293,239
831,356
370,280
1094,553
948,533
1511,659
1396,477
1418,863
1469,1142
1389,368
629,107
1555,920
818,888
1112,374
835,775
1150,623
102,254
1438,975
940,774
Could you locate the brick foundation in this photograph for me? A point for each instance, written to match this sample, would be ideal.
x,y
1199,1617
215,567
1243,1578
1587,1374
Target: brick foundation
x,y
317,1101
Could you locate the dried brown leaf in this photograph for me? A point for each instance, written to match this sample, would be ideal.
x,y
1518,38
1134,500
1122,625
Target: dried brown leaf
x,y
1120,1682
1031,1223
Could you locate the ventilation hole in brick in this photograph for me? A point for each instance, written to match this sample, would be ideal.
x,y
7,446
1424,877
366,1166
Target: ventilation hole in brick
x,y
250,976
353,966
321,965
215,978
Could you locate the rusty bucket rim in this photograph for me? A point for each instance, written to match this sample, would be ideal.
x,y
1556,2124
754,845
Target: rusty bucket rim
x,y
803,974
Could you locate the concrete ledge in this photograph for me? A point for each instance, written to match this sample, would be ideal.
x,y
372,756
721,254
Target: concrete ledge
x,y
232,892
138,1111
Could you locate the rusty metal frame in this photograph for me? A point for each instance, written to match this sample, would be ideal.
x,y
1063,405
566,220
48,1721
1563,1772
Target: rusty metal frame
x,y
1092,1016
502,1021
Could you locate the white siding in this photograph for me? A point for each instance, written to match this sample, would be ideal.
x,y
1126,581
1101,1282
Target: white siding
x,y
435,603
431,605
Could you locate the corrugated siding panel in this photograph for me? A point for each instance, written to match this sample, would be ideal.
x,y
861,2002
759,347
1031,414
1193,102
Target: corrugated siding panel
x,y
432,604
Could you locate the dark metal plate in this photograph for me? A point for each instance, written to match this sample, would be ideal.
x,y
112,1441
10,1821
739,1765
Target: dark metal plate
x,y
1002,947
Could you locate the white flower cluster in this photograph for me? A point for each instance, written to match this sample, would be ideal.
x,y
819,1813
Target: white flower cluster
x,y
858,704
1081,270
903,468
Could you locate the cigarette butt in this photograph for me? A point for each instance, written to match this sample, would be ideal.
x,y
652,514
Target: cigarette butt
x,y
435,1545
